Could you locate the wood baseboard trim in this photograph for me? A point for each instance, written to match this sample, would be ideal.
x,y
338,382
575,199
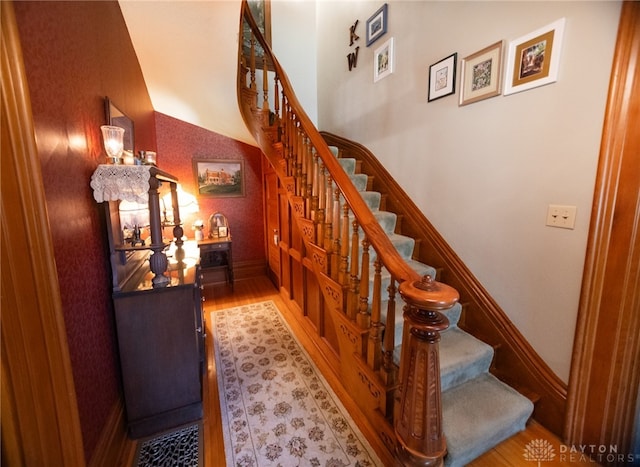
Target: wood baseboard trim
x,y
248,269
114,447
241,270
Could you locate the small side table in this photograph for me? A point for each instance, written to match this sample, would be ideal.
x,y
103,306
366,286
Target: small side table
x,y
216,253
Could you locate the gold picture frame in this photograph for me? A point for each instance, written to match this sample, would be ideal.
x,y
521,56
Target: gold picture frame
x,y
219,178
481,74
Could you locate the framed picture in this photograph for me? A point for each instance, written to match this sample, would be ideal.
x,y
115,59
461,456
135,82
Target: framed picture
x,y
533,59
383,60
219,178
481,74
377,25
442,78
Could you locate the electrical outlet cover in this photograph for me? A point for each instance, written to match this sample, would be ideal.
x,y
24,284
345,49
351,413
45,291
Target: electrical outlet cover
x,y
561,216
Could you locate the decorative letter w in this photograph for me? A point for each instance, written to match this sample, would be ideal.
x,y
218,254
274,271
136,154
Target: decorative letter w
x,y
352,58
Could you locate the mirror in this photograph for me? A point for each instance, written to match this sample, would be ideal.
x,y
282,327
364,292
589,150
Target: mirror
x,y
116,117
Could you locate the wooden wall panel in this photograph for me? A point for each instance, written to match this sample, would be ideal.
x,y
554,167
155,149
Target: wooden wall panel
x,y
40,420
605,374
314,301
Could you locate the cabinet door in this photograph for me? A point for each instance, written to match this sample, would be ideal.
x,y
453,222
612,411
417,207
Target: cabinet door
x,y
200,319
159,357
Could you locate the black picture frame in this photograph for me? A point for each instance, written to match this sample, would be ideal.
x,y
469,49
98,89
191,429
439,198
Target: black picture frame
x,y
442,78
377,24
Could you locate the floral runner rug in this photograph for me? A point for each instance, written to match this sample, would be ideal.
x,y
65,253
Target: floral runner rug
x,y
277,409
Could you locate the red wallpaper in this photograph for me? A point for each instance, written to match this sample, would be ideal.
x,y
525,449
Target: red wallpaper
x,y
75,54
179,143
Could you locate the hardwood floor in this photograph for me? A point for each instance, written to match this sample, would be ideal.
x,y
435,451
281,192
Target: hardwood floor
x,y
219,296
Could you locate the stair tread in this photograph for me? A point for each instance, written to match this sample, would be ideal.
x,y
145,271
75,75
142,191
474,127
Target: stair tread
x,y
348,165
360,181
478,415
403,244
372,199
462,357
386,219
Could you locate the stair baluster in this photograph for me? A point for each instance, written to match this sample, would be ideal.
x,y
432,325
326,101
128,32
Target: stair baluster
x,y
389,369
265,90
336,263
374,348
252,63
354,280
344,250
363,318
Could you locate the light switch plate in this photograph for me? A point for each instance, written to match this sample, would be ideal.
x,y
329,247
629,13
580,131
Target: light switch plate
x,y
561,216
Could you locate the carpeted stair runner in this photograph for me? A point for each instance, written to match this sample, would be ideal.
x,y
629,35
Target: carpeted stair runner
x,y
479,411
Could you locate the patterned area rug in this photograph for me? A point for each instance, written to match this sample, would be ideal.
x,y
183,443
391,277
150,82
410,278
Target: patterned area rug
x,y
277,409
178,448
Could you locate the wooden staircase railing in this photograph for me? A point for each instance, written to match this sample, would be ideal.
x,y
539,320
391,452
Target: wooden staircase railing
x,y
516,362
340,235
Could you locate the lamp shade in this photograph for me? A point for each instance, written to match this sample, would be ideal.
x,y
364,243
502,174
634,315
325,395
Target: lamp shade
x,y
187,203
113,137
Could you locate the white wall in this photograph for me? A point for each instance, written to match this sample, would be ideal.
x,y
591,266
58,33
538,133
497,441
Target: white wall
x,y
485,173
294,41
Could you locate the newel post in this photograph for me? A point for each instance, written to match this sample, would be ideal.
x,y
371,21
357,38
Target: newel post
x,y
418,421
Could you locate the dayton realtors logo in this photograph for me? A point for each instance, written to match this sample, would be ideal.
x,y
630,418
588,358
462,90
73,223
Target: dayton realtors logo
x,y
541,450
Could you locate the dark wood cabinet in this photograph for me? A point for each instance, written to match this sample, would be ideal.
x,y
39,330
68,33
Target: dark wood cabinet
x,y
161,343
217,254
157,303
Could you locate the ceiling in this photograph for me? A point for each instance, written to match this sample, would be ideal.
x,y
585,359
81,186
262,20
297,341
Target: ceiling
x,y
188,54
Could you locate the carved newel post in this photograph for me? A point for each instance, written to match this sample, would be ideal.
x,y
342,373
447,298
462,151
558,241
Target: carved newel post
x,y
418,424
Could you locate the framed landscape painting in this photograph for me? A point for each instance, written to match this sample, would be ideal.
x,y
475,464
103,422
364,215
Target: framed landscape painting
x,y
219,178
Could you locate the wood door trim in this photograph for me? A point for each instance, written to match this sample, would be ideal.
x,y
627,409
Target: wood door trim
x,y
604,379
38,393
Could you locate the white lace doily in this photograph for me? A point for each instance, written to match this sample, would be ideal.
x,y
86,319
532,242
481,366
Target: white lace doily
x,y
121,182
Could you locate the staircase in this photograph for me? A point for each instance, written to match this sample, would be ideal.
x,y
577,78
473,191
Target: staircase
x,y
420,378
479,411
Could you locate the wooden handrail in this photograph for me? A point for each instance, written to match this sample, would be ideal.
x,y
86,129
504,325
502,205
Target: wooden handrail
x,y
301,158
